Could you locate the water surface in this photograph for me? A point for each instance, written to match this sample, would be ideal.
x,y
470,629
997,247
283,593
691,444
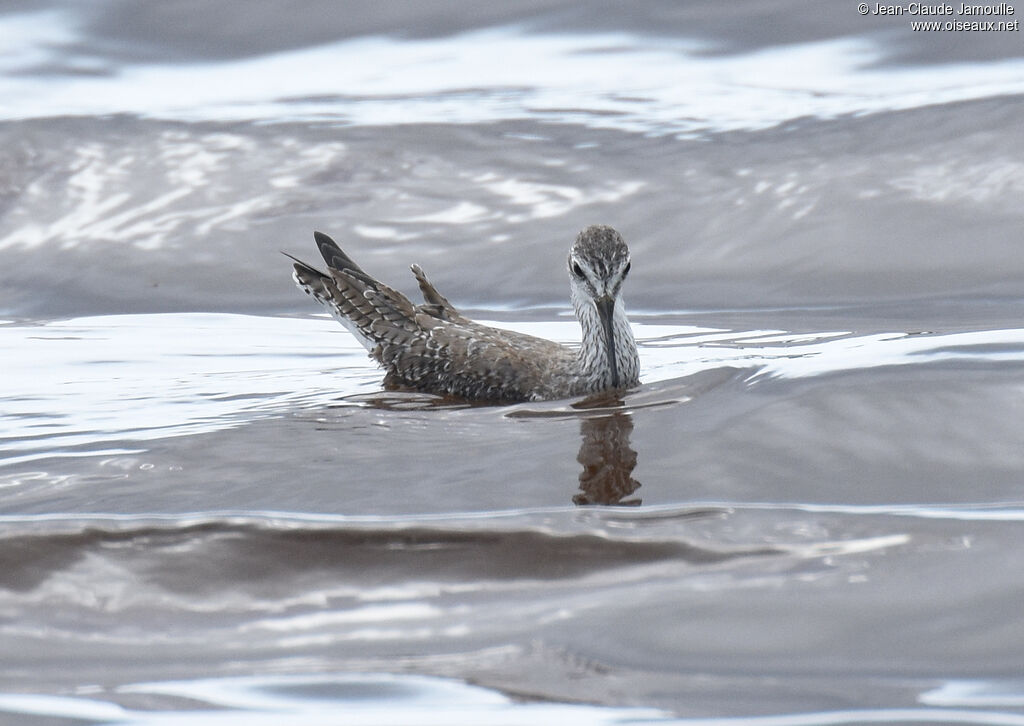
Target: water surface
x,y
808,513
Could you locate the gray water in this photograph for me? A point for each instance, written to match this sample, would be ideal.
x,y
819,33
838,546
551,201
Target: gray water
x,y
808,513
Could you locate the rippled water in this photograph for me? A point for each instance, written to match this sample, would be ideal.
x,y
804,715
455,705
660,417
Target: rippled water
x,y
808,513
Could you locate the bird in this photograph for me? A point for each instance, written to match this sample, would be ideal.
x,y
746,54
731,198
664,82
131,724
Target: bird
x,y
432,348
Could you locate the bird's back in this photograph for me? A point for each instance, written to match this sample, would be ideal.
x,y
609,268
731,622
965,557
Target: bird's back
x,y
432,347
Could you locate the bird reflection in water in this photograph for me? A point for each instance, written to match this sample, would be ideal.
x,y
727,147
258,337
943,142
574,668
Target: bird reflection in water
x,y
606,455
605,452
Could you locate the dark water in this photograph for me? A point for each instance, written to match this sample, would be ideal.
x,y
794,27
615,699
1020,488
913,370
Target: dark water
x,y
808,513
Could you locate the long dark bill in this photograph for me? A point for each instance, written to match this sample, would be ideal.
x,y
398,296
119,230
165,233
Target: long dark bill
x,y
605,310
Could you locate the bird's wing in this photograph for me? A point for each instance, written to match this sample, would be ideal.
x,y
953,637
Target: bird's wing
x,y
473,361
437,304
375,313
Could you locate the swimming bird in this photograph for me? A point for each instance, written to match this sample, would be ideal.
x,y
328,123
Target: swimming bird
x,y
433,348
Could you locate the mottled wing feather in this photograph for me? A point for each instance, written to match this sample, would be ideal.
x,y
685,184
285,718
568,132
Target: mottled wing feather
x,y
380,313
337,260
477,361
431,347
437,304
372,311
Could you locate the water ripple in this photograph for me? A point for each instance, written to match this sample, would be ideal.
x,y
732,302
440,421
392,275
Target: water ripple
x,y
676,87
116,379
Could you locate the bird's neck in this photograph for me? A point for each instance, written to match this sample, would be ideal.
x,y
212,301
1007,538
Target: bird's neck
x,y
595,364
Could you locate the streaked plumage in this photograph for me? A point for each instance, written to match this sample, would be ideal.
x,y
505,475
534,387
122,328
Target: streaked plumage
x,y
432,348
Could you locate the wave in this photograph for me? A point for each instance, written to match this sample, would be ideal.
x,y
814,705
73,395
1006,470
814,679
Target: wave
x,y
225,553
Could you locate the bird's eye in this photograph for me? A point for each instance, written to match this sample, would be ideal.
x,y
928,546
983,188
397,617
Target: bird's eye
x,y
625,270
577,270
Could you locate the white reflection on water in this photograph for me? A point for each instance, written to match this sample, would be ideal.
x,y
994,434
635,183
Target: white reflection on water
x,y
775,354
414,700
495,74
155,194
974,693
353,700
140,377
